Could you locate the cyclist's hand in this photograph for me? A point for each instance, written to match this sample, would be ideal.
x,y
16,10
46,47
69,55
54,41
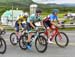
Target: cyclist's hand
x,y
60,24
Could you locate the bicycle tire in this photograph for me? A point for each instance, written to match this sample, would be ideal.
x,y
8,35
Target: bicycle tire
x,y
11,39
41,51
67,40
2,52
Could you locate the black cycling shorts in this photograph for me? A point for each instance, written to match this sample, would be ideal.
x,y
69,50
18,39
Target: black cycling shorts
x,y
47,23
29,27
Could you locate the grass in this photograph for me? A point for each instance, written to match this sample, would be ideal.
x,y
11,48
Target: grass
x,y
68,29
61,15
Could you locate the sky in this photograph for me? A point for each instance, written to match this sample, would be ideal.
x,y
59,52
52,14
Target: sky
x,y
55,1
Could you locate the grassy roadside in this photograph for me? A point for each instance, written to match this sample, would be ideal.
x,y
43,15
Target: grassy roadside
x,y
67,29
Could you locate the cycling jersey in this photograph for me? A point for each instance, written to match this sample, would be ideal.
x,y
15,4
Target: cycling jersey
x,y
33,18
52,17
21,20
49,19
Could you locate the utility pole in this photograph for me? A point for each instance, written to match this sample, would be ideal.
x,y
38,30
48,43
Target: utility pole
x,y
12,14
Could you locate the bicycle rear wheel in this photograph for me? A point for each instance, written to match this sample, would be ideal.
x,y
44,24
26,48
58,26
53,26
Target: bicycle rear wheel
x,y
22,42
41,44
62,39
2,46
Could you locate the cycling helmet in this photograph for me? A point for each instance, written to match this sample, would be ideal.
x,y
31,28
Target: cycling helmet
x,y
55,11
26,14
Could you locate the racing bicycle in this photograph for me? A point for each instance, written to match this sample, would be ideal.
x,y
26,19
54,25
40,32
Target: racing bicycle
x,y
2,44
61,38
40,41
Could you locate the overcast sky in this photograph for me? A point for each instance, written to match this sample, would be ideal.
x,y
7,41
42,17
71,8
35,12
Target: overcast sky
x,y
55,1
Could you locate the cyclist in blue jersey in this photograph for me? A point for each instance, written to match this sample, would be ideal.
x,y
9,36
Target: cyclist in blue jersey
x,y
49,20
31,24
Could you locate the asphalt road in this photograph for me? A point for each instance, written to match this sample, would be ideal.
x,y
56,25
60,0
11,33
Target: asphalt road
x,y
52,51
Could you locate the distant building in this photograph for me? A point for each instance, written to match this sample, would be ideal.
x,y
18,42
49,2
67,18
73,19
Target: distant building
x,y
10,16
70,16
33,8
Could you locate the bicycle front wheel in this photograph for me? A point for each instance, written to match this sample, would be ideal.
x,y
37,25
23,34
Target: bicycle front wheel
x,y
62,39
2,46
12,39
41,44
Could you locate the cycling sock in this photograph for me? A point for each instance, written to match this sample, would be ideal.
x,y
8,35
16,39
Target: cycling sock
x,y
28,43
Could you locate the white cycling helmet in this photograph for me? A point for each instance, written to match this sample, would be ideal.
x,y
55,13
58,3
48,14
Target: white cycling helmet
x,y
26,14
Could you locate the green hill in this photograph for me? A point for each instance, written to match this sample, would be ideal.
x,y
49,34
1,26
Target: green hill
x,y
24,5
16,2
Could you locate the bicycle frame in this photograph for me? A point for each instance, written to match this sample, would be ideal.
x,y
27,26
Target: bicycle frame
x,y
36,34
54,33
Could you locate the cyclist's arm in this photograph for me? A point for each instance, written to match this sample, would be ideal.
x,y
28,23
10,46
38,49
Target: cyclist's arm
x,y
57,20
53,23
32,24
30,20
19,22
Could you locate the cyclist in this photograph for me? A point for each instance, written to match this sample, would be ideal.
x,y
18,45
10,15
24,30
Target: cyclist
x,y
31,24
21,23
49,23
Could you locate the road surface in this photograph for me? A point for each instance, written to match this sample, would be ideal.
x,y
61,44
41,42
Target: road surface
x,y
52,51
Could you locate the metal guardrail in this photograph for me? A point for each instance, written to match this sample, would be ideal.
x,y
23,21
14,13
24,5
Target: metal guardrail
x,y
63,26
68,25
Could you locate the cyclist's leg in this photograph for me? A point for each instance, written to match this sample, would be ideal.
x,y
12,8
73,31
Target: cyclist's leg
x,y
23,28
47,26
29,36
53,32
48,30
17,29
29,28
